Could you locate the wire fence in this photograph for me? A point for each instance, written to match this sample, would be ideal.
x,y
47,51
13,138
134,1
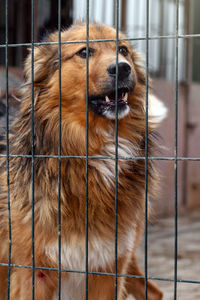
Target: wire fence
x,y
87,157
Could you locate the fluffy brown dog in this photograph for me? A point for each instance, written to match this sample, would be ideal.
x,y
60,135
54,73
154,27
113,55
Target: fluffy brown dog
x,y
101,172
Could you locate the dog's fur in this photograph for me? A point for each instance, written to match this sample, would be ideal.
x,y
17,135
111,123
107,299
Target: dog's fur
x,y
101,174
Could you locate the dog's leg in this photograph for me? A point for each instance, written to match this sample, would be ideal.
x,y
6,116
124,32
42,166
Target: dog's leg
x,y
136,286
3,282
102,287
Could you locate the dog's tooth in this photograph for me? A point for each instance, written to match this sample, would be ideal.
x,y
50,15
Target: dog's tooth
x,y
107,99
125,98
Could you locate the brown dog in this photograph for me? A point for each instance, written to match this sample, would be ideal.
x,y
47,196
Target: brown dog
x,y
101,172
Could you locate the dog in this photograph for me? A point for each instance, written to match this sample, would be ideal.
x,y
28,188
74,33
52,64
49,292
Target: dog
x,y
101,171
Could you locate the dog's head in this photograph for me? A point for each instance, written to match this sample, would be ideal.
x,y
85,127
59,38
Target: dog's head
x,y
102,72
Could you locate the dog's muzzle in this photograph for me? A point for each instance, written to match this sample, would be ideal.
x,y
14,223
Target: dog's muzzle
x,y
124,70
105,103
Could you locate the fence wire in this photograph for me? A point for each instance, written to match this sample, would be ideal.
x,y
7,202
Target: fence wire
x,y
146,152
59,152
32,146
7,150
175,159
87,146
175,155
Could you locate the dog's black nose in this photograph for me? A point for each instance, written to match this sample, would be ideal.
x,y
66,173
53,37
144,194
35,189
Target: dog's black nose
x,y
124,70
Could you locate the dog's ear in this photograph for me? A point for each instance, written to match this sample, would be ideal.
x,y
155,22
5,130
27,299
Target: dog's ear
x,y
45,61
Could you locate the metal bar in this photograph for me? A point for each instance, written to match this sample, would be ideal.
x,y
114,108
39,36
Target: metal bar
x,y
32,147
175,156
106,157
101,273
181,36
87,144
187,18
146,149
7,151
59,151
116,145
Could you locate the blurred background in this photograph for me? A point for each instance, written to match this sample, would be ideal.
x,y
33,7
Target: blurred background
x,y
162,52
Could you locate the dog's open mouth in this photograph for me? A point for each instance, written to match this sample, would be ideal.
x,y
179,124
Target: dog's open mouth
x,y
105,104
122,97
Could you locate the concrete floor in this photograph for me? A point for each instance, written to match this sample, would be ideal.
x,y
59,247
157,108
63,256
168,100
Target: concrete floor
x,y
161,255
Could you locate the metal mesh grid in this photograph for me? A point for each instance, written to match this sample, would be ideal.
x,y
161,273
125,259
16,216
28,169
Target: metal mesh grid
x,y
175,158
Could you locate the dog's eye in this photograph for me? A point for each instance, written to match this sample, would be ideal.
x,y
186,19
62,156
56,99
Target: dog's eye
x,y
83,52
123,50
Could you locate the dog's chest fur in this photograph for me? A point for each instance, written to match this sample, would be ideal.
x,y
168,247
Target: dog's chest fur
x,y
106,167
72,288
101,250
101,254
